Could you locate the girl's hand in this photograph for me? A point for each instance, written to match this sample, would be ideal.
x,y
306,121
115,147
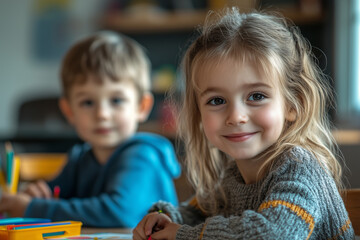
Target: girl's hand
x,y
168,232
159,226
14,205
39,189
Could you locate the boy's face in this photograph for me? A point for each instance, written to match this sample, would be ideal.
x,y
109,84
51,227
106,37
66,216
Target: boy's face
x,y
105,114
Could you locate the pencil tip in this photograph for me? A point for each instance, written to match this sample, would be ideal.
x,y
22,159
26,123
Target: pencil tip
x,y
8,146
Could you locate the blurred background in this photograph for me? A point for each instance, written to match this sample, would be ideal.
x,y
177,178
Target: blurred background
x,y
35,34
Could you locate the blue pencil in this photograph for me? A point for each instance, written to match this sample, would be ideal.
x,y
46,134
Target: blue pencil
x,y
26,226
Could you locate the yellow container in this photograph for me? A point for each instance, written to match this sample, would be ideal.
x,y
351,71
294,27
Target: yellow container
x,y
56,229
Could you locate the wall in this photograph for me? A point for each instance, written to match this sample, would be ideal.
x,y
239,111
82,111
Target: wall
x,y
351,154
23,72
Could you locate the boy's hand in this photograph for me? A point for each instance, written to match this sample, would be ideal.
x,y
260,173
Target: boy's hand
x,y
39,189
14,204
159,226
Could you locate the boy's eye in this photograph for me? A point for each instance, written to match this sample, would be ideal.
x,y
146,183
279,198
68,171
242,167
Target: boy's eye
x,y
87,103
117,100
256,97
216,101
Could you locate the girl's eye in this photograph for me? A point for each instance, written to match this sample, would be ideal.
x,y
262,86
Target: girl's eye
x,y
117,100
256,97
216,101
87,103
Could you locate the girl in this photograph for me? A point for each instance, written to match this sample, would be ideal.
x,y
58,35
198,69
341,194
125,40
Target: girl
x,y
259,148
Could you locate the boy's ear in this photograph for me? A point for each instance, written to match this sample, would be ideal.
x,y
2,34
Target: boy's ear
x,y
65,108
146,104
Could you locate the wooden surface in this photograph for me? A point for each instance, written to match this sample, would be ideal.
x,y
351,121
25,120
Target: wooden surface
x,y
87,230
352,204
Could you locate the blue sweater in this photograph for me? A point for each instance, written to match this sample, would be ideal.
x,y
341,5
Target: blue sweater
x,y
117,194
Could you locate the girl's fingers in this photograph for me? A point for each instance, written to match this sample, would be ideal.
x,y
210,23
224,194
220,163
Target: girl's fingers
x,y
137,235
155,222
149,224
160,235
139,231
168,232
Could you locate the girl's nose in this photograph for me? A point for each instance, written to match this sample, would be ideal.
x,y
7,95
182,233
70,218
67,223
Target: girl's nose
x,y
237,114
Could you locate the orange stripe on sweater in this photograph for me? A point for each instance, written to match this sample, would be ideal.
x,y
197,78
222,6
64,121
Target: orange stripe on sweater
x,y
343,229
193,202
202,232
295,208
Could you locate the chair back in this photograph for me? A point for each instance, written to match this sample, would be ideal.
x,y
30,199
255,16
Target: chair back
x,y
36,166
41,115
351,199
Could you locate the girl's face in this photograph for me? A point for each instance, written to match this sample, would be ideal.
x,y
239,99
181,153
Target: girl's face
x,y
242,111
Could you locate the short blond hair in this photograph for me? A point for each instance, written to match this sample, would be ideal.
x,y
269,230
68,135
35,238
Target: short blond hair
x,y
106,54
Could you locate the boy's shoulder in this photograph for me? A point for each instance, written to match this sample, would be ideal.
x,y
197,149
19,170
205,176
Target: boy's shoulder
x,y
140,140
150,139
144,143
147,136
151,149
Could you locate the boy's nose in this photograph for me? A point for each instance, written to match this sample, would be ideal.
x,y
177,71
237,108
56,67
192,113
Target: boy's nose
x,y
237,114
103,111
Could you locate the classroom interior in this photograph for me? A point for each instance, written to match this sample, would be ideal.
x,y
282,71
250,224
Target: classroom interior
x,y
35,34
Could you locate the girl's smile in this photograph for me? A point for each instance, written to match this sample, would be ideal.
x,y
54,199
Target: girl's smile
x,y
240,137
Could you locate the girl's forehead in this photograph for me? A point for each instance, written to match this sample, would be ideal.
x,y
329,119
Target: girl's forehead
x,y
206,67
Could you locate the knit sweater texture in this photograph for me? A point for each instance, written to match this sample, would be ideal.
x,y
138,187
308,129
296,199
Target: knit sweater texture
x,y
298,199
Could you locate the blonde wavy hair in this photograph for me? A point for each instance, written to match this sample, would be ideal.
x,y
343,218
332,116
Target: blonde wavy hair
x,y
279,50
106,54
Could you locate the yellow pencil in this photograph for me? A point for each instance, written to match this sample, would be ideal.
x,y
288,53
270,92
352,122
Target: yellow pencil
x,y
15,176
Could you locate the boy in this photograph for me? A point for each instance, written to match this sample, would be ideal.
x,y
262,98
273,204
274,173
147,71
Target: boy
x,y
117,174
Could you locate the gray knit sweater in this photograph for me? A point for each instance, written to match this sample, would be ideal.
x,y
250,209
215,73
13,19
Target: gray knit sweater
x,y
296,200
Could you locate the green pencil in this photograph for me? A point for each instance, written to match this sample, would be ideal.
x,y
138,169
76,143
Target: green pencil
x,y
9,162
